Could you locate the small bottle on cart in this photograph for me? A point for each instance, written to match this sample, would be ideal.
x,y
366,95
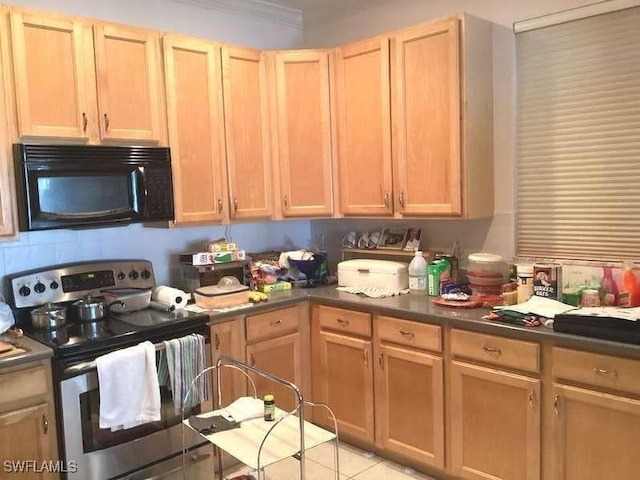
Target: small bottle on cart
x,y
269,408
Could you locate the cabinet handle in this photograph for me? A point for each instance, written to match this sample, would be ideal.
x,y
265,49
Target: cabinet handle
x,y
217,341
45,424
532,397
365,356
219,205
342,321
386,199
275,322
407,334
106,122
381,361
253,360
235,205
492,350
85,121
286,202
604,371
401,199
556,401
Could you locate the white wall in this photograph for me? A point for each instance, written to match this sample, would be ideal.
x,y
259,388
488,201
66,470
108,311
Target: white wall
x,y
161,246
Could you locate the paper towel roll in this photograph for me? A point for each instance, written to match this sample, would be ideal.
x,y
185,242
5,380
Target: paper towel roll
x,y
170,295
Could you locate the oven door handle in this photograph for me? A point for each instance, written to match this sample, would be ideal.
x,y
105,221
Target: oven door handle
x,y
86,366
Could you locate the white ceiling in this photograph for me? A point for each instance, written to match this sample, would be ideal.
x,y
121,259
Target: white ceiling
x,y
313,12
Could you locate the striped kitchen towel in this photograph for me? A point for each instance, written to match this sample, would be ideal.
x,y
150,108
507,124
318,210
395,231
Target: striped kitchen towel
x,y
184,358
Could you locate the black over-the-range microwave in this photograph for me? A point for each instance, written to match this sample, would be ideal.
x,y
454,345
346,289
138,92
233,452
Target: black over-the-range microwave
x,y
71,186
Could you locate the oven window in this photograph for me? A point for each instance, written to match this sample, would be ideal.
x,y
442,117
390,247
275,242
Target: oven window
x,y
96,438
70,196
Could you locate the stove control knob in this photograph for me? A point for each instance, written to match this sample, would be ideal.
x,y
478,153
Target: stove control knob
x,y
54,285
24,291
121,276
146,274
133,275
39,287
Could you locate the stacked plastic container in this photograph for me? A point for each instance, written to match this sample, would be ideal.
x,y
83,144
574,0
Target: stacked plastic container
x,y
486,273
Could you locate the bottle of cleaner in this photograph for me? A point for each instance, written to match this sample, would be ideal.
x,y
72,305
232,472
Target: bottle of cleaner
x,y
608,288
630,289
418,274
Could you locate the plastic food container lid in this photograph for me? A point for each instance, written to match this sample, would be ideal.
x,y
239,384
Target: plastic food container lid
x,y
483,257
225,286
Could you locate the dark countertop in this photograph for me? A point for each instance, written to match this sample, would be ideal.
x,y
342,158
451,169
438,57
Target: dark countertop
x,y
34,351
420,308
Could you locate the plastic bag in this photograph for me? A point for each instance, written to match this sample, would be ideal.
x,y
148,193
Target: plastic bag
x,y
6,318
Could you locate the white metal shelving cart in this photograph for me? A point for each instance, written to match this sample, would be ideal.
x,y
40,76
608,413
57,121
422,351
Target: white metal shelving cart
x,y
258,443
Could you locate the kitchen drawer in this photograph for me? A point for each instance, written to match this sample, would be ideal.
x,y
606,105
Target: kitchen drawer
x,y
407,332
505,352
273,324
595,369
350,321
22,384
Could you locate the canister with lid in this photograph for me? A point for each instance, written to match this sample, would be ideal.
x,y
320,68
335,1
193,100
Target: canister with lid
x,y
525,282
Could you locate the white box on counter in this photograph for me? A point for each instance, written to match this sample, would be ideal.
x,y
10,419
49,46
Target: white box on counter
x,y
384,274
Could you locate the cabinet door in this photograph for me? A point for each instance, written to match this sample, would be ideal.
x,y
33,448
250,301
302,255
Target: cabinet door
x,y
24,435
130,101
302,146
51,72
364,128
495,424
426,113
196,129
280,357
345,383
595,435
7,227
409,404
227,339
245,114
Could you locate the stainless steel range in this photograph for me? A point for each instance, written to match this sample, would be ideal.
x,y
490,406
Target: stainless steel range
x,y
142,452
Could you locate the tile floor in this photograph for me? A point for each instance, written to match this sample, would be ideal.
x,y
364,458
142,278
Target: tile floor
x,y
355,464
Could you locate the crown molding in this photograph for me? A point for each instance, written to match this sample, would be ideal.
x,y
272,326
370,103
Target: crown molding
x,y
252,8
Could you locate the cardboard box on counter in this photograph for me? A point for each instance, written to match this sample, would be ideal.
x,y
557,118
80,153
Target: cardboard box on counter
x,y
209,258
274,287
222,247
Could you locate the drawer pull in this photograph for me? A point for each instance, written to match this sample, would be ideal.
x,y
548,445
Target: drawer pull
x,y
604,371
365,356
253,360
556,401
342,321
407,334
381,361
45,424
275,322
532,397
217,342
492,350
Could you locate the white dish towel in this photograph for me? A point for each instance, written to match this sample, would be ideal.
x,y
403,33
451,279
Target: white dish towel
x,y
128,384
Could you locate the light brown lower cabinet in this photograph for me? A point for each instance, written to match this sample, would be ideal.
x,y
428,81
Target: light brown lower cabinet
x,y
278,343
228,339
596,421
27,421
495,424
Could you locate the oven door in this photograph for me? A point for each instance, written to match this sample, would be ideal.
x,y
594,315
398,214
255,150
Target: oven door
x,y
101,454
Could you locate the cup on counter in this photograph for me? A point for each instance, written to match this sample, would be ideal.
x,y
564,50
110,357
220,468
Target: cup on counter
x,y
571,296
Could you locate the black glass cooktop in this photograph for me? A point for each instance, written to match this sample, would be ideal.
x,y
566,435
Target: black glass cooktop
x,y
77,338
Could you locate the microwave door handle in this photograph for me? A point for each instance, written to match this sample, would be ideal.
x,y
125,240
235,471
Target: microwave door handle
x,y
140,186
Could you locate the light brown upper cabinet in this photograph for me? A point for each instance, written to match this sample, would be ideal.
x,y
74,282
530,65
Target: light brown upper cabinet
x,y
441,84
196,129
7,227
247,133
63,91
437,79
302,132
129,83
364,133
302,139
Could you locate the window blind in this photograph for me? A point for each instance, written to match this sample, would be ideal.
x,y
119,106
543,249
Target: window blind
x,y
578,170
